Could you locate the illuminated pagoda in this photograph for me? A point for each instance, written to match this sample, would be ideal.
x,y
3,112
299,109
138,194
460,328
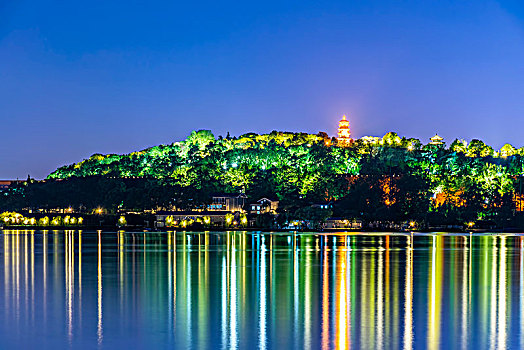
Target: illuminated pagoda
x,y
436,140
344,133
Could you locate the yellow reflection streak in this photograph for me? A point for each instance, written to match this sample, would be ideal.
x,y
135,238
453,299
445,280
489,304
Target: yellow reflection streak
x,y
408,297
204,289
121,240
174,281
187,256
372,302
341,337
493,299
17,274
99,331
69,280
296,287
379,325
7,257
44,267
389,294
365,296
80,277
501,332
32,277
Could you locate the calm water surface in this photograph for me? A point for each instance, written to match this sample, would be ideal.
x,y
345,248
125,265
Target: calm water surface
x,y
246,290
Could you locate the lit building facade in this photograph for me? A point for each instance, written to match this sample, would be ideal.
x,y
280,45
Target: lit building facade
x,y
344,133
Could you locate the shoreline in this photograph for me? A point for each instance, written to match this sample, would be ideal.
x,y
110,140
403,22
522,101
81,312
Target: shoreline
x,y
251,230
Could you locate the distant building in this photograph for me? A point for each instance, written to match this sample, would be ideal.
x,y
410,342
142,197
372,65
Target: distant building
x,y
263,205
436,140
228,202
344,133
5,184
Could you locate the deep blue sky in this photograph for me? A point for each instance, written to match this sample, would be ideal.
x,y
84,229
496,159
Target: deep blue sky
x,y
78,78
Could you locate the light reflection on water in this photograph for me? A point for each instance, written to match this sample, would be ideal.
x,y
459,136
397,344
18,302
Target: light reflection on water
x,y
238,290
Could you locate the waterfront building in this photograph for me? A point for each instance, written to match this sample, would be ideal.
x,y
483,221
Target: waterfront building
x,y
344,133
228,201
264,205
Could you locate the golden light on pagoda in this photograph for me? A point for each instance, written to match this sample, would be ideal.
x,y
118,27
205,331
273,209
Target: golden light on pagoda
x,y
344,133
436,140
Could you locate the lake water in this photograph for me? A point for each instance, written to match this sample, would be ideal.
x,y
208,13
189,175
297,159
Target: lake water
x,y
226,290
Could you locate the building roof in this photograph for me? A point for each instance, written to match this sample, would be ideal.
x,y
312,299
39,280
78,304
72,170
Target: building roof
x,y
229,195
268,199
343,122
193,212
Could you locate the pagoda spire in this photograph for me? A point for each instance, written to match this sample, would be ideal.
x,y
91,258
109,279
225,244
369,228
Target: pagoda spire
x,y
344,133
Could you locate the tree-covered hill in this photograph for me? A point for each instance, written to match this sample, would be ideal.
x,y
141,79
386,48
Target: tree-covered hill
x,y
388,178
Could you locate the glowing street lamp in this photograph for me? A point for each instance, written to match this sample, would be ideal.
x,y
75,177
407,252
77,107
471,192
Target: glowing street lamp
x,y
122,221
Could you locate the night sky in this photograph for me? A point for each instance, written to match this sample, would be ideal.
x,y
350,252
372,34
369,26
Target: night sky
x,y
78,78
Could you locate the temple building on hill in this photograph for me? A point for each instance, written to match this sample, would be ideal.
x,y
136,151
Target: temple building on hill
x,y
436,140
344,133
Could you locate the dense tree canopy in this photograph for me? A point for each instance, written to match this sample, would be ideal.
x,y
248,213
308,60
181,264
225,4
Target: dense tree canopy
x,y
388,178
